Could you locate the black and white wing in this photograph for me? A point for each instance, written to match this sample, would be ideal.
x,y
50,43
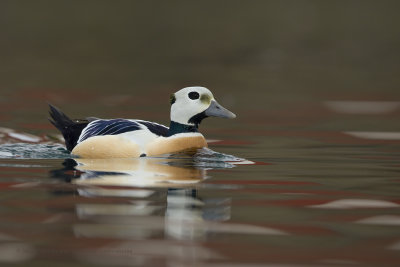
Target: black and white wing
x,y
119,126
155,128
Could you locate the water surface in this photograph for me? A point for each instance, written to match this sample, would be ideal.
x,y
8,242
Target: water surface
x,y
306,175
314,197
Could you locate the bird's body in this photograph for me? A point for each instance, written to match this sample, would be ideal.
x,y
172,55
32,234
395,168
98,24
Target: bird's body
x,y
126,138
137,143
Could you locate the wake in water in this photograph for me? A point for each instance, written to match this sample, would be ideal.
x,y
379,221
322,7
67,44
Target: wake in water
x,y
19,145
16,145
33,151
178,168
204,158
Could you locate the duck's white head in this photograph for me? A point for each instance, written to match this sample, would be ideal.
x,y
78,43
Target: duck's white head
x,y
190,105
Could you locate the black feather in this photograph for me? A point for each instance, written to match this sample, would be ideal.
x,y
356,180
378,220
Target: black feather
x,y
155,128
196,119
70,129
109,127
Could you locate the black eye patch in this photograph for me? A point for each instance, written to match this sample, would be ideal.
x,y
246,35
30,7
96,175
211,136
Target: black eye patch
x,y
193,95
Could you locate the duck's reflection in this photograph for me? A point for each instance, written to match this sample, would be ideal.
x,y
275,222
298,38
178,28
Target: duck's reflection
x,y
159,195
150,211
138,172
187,217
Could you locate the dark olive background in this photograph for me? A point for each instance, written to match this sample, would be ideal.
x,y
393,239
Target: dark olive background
x,y
273,63
253,54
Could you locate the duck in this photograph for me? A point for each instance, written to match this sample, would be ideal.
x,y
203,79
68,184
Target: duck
x,y
132,138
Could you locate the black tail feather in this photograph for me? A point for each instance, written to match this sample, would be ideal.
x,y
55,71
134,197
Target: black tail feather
x,y
70,129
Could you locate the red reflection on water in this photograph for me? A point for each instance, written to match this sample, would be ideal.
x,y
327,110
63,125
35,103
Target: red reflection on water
x,y
261,163
330,137
287,202
261,182
6,186
41,126
304,229
304,192
13,169
232,142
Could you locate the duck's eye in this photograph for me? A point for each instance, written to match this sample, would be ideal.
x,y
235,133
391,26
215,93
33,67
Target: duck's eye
x,y
193,95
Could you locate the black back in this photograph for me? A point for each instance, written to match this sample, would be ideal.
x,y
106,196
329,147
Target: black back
x,y
70,129
155,128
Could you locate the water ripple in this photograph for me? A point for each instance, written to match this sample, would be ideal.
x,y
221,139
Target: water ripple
x,y
204,158
33,151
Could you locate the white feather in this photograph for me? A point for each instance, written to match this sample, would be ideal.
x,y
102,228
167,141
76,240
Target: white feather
x,y
184,108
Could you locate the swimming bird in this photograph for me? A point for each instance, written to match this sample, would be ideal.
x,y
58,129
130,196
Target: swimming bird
x,y
127,138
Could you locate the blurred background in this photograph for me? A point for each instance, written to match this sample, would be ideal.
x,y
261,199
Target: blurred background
x,y
316,88
124,58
